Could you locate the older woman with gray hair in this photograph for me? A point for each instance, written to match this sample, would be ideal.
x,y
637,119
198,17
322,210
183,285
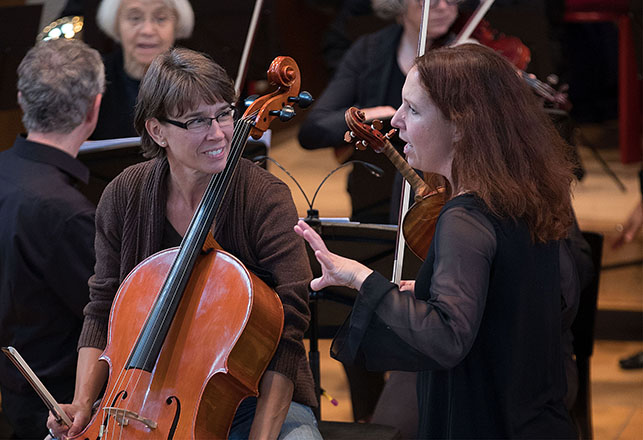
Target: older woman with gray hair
x,y
143,29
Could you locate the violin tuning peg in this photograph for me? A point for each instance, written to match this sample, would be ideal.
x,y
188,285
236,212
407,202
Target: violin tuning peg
x,y
553,79
377,124
362,145
348,137
390,134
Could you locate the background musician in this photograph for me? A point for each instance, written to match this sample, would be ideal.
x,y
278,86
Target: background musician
x,y
483,321
46,227
143,29
370,76
184,114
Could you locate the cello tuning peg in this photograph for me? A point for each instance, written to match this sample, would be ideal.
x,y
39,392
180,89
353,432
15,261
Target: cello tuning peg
x,y
348,136
304,99
377,124
285,114
249,100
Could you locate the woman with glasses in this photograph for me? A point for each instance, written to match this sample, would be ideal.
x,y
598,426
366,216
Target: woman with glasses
x,y
185,117
370,77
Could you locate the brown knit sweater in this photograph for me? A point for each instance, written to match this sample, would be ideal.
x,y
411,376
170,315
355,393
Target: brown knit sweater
x,y
255,224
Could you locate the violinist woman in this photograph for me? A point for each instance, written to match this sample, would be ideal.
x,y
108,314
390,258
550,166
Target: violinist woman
x,y
483,321
185,117
370,76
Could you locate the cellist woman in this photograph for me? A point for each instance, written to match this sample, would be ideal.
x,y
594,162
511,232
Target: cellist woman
x,y
482,324
185,117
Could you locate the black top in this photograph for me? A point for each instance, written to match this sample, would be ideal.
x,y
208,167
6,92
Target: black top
x,y
484,329
46,257
367,76
116,117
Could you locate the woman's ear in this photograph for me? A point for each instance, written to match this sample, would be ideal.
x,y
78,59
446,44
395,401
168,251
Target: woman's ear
x,y
155,130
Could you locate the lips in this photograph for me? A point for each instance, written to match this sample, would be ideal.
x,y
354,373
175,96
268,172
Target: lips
x,y
213,152
147,46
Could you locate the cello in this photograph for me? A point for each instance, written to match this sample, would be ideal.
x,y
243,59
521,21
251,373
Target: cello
x,y
162,383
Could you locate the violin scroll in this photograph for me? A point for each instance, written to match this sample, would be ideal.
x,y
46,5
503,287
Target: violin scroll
x,y
366,135
284,73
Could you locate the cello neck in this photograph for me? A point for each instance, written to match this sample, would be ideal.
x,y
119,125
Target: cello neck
x,y
419,187
152,336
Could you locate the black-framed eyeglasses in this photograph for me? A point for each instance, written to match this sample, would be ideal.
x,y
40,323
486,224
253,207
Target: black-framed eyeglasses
x,y
202,123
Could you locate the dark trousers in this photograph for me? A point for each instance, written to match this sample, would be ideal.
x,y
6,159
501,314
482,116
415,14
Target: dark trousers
x,y
26,412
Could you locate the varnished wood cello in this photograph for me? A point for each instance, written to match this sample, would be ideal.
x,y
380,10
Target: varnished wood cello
x,y
191,333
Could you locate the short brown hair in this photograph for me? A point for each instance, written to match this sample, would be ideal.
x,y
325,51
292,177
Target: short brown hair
x,y
508,151
177,81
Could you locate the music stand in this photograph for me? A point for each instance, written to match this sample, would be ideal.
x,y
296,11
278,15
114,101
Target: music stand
x,y
106,160
370,244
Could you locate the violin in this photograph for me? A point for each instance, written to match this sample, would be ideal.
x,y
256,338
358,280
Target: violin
x,y
164,382
418,225
511,48
508,46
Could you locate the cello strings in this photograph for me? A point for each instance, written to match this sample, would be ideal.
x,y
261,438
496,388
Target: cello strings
x,y
218,185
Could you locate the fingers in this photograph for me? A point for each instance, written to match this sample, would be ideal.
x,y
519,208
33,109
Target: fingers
x,y
317,284
55,428
307,233
406,285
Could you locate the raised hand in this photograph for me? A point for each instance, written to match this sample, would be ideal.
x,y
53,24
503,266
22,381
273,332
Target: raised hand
x,y
336,270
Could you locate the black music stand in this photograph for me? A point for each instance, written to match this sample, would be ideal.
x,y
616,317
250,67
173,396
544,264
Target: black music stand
x,y
370,244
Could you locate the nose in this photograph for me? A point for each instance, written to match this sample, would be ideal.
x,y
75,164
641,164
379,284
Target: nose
x,y
438,4
214,131
398,120
148,26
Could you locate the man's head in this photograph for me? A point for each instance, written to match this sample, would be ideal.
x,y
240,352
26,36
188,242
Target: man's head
x,y
58,82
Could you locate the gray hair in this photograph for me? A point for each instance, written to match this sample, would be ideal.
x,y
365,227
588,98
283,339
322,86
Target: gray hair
x,y
176,82
107,17
58,81
389,9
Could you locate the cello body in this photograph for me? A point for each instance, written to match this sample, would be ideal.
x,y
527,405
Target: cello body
x,y
226,330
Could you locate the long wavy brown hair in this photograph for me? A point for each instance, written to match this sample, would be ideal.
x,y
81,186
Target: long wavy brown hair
x,y
507,150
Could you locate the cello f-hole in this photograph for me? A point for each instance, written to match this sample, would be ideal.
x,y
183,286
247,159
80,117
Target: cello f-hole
x,y
177,414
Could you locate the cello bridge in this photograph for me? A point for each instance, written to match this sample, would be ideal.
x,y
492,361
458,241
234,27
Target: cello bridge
x,y
123,416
